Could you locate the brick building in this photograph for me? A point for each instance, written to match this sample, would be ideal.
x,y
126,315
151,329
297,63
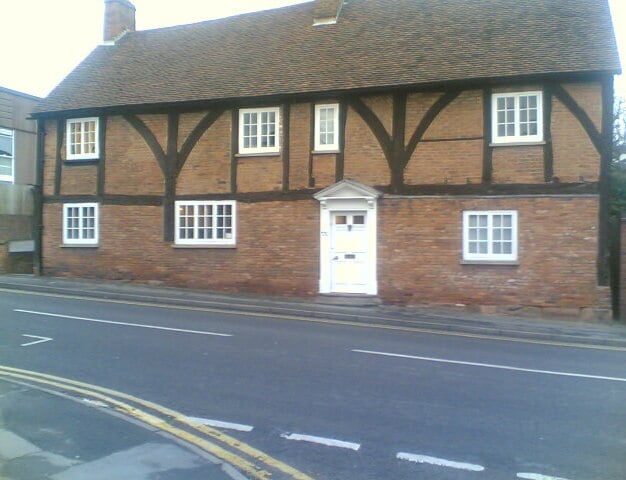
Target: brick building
x,y
421,151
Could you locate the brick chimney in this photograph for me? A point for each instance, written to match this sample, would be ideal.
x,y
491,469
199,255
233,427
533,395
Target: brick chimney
x,y
119,17
327,11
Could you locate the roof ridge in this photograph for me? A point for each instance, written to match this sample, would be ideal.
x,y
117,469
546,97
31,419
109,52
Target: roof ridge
x,y
228,17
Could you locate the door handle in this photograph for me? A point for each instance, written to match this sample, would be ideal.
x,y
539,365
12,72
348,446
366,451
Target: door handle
x,y
335,258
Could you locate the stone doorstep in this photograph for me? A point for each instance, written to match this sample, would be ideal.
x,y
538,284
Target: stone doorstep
x,y
348,300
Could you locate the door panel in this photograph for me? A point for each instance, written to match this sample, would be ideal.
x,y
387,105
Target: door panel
x,y
349,252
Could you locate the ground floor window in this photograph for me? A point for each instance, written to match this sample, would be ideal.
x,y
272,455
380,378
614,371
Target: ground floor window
x,y
80,223
205,222
490,235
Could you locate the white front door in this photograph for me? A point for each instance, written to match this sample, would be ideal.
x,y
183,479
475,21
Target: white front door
x,y
349,256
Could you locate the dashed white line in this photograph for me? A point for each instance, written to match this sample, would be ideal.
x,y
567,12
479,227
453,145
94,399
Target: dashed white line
x,y
440,462
537,476
111,322
219,424
330,442
488,365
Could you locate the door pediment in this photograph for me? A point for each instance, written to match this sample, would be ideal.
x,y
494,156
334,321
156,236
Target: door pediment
x,y
347,189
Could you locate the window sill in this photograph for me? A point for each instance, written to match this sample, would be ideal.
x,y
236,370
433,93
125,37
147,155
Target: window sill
x,y
78,161
516,144
267,154
322,152
79,245
510,263
195,247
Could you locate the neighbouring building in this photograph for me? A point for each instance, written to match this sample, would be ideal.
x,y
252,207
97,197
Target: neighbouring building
x,y
421,151
18,137
18,145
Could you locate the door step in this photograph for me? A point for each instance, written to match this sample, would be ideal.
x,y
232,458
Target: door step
x,y
348,299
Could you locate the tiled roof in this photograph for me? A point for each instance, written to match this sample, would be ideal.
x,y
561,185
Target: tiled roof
x,y
375,43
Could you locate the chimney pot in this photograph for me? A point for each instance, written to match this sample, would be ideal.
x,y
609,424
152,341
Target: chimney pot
x,y
119,17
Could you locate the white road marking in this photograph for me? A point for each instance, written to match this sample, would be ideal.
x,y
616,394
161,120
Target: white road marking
x,y
111,322
41,340
537,476
440,462
329,442
219,424
488,365
95,403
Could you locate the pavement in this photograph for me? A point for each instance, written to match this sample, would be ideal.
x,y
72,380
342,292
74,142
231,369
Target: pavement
x,y
435,319
49,435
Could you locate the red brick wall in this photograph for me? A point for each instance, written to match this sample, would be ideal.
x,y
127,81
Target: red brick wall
x,y
207,169
299,146
364,159
130,167
419,252
277,250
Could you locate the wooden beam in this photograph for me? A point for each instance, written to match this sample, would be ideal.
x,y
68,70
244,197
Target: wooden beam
x,y
487,175
150,140
375,125
428,118
341,131
194,137
108,199
102,131
398,129
548,154
38,194
426,190
171,163
578,112
311,182
606,151
284,144
58,164
234,148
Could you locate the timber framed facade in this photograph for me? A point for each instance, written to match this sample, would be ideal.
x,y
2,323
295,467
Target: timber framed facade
x,y
490,192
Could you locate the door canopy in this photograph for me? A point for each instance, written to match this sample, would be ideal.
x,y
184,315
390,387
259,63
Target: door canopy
x,y
348,189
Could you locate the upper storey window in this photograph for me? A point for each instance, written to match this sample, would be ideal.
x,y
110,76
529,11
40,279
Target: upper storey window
x,y
82,138
517,117
326,123
7,146
258,130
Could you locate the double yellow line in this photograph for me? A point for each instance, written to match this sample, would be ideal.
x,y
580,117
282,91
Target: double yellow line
x,y
243,457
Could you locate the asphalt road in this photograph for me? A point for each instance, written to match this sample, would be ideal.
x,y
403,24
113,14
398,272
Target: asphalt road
x,y
344,402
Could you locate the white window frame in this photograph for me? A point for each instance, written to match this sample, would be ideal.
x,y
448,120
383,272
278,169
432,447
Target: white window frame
x,y
319,146
517,137
206,241
259,150
490,256
9,178
83,143
82,240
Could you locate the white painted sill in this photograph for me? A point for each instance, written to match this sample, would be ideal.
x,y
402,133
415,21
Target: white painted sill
x,y
82,159
196,247
268,154
79,245
510,263
516,144
322,152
